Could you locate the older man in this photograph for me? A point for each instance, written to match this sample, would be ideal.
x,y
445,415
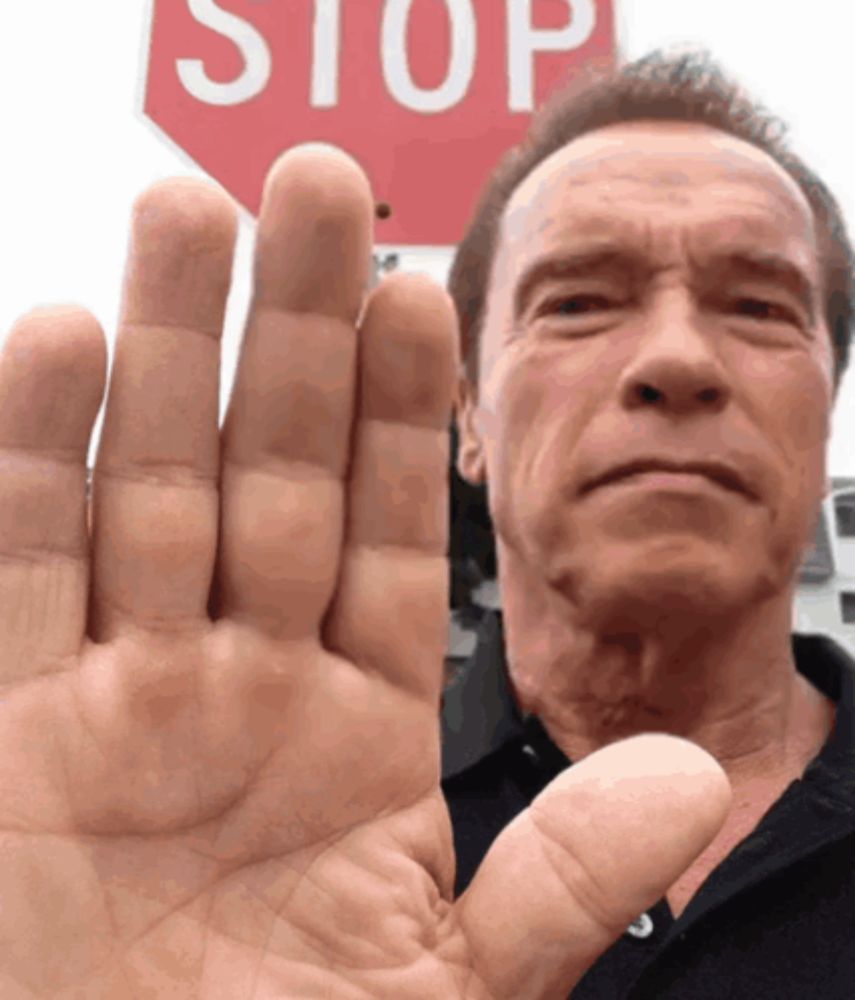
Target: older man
x,y
657,298
219,774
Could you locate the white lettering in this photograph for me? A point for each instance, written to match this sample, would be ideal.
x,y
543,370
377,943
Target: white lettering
x,y
325,58
253,49
396,69
524,41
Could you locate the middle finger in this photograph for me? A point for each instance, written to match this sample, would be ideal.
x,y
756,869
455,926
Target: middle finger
x,y
287,435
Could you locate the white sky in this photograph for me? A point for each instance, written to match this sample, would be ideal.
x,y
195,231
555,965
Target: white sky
x,y
77,151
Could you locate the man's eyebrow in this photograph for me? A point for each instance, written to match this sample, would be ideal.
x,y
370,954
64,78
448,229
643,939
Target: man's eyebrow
x,y
760,264
769,266
569,264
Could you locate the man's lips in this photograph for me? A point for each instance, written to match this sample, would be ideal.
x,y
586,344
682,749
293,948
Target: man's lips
x,y
717,472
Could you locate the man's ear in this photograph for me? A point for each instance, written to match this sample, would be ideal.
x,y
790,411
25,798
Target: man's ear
x,y
471,464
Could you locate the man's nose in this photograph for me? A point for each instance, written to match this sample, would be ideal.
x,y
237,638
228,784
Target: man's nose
x,y
676,367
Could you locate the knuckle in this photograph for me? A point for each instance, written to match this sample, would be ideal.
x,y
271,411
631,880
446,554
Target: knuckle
x,y
583,889
152,473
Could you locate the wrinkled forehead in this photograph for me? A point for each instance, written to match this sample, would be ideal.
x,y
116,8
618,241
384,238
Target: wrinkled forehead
x,y
659,173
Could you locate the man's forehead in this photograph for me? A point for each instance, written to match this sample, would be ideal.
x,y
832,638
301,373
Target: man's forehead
x,y
622,166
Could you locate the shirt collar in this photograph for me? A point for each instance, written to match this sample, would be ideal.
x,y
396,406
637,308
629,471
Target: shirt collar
x,y
480,716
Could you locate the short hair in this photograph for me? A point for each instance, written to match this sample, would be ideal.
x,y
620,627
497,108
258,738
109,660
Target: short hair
x,y
687,87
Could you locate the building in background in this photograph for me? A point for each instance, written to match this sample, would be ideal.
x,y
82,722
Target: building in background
x,y
825,600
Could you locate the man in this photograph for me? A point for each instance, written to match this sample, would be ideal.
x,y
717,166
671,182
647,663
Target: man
x,y
220,750
656,302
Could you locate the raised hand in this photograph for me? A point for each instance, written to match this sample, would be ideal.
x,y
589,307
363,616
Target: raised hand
x,y
219,757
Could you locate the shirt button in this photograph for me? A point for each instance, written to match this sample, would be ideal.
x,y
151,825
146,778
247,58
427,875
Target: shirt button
x,y
641,927
529,751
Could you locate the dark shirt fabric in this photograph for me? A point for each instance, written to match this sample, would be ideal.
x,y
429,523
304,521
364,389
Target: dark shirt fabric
x,y
776,919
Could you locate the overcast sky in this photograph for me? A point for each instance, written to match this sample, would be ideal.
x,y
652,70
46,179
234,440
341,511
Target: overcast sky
x,y
77,150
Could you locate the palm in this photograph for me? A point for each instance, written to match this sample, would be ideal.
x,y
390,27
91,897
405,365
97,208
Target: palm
x,y
218,734
217,740
196,819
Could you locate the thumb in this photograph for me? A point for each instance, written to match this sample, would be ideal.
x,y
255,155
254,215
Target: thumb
x,y
597,847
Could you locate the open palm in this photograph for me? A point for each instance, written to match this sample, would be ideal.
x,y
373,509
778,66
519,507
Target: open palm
x,y
219,740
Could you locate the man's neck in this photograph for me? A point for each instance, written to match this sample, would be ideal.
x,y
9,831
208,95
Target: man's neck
x,y
729,685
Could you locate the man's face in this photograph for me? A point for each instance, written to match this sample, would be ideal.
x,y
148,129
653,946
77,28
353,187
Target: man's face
x,y
656,373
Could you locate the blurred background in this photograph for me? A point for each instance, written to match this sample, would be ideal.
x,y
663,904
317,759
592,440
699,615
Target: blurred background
x,y
78,150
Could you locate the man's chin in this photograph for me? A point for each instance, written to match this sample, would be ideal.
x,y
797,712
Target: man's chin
x,y
653,589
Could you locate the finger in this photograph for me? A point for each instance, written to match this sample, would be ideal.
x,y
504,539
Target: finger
x,y
286,438
596,848
390,608
155,489
52,374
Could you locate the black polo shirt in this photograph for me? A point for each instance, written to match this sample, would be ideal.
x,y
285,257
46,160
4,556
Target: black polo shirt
x,y
776,919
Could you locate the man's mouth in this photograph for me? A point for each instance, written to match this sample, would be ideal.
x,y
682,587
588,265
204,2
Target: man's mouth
x,y
716,472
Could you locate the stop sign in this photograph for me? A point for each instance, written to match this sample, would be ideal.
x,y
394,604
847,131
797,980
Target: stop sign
x,y
424,94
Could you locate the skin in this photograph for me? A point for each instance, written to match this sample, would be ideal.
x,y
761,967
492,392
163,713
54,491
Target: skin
x,y
219,750
657,603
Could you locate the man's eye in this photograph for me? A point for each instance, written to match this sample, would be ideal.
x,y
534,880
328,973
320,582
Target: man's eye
x,y
763,310
577,305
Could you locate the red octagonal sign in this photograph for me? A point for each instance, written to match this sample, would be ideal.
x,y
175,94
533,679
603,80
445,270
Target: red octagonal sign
x,y
425,94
